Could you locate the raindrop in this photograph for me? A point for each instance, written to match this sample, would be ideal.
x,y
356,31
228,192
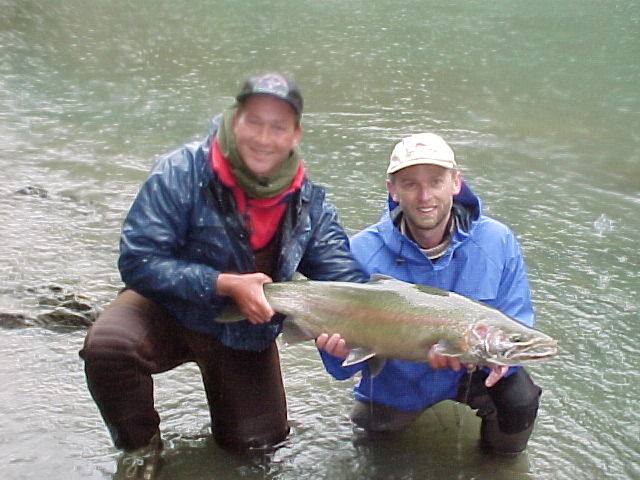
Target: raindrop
x,y
603,281
603,225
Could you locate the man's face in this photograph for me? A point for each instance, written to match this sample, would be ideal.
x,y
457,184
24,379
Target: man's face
x,y
425,193
265,131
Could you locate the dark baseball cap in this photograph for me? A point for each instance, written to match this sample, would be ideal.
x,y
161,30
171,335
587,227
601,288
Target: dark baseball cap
x,y
275,85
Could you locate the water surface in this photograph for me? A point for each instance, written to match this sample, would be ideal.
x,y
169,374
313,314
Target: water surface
x,y
539,100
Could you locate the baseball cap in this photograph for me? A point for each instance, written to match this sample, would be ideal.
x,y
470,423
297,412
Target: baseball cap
x,y
421,149
275,85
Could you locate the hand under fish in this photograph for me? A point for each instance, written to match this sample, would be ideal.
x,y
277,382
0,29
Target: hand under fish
x,y
336,346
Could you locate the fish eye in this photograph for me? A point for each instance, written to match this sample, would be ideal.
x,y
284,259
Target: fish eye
x,y
516,338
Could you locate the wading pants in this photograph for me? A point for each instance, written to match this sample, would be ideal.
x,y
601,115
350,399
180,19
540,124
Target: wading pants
x,y
135,338
508,411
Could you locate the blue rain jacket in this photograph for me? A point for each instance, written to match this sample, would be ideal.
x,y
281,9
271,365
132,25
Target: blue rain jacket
x,y
483,262
183,229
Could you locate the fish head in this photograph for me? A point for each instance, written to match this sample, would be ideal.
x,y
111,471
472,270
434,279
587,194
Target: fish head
x,y
511,345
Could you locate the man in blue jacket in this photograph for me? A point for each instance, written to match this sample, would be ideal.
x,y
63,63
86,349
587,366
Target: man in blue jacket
x,y
434,233
213,222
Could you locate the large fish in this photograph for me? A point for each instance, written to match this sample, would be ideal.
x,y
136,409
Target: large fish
x,y
388,318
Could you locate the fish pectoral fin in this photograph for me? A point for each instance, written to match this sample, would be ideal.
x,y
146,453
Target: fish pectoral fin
x,y
358,355
446,349
292,332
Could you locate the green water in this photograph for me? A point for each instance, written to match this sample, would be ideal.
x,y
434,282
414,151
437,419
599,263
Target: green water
x,y
540,100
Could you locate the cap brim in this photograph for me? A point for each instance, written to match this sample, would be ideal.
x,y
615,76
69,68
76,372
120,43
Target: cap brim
x,y
440,163
243,96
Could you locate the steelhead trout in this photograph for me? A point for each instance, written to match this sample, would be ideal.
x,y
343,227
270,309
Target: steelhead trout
x,y
388,318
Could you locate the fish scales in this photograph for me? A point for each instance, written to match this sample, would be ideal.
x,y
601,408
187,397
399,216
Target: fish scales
x,y
371,315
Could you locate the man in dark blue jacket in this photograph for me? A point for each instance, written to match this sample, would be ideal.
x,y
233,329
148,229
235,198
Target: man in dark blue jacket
x,y
212,223
435,234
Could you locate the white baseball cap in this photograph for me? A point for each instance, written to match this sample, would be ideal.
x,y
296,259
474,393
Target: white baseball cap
x,y
421,149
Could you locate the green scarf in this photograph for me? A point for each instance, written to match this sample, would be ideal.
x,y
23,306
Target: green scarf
x,y
249,183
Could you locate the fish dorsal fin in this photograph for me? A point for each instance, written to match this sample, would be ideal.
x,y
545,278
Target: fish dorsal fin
x,y
378,278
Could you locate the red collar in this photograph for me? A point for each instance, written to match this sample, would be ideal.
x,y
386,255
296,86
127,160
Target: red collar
x,y
261,215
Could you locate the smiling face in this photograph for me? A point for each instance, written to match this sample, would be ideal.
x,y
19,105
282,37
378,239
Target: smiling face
x,y
265,131
425,193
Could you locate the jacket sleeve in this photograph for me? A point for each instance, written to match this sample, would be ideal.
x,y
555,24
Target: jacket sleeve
x,y
327,255
154,231
513,296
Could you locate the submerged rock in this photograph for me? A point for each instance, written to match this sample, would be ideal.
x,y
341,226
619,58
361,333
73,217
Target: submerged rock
x,y
68,309
33,191
16,320
65,317
56,307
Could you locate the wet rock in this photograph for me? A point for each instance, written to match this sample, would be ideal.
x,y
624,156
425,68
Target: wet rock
x,y
65,317
56,307
16,320
33,191
45,290
69,309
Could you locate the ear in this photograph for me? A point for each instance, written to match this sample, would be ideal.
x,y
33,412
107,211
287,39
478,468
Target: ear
x,y
297,134
457,182
392,190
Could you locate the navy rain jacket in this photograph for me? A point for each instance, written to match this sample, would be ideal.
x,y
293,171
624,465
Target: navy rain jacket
x,y
183,229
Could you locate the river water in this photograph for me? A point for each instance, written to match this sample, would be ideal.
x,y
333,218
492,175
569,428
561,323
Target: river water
x,y
540,100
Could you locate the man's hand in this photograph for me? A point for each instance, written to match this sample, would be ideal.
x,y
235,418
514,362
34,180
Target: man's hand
x,y
246,290
333,345
440,361
497,372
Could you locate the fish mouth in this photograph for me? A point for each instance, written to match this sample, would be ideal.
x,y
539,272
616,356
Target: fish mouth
x,y
528,355
530,352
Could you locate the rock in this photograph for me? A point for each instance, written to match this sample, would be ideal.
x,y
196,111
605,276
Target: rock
x,y
33,191
56,307
16,320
